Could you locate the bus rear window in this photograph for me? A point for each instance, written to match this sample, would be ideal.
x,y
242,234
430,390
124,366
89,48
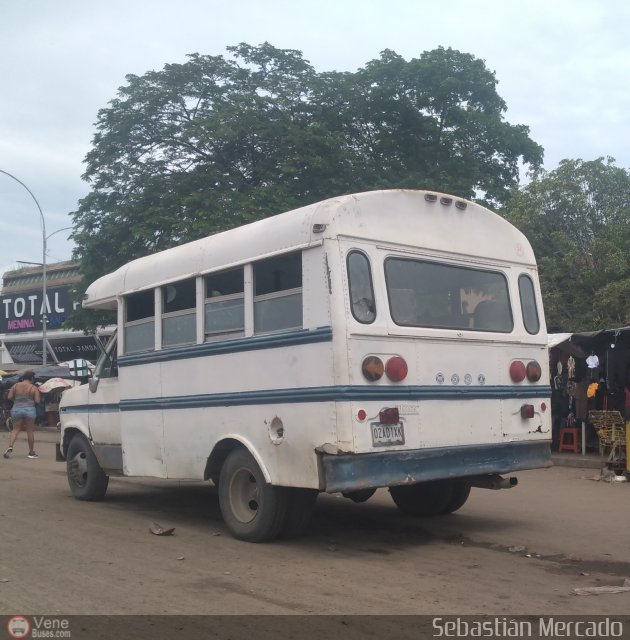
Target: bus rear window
x,y
430,294
528,304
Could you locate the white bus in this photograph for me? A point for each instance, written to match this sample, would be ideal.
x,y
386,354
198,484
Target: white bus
x,y
382,339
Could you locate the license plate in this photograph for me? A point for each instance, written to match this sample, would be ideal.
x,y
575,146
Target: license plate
x,y
387,434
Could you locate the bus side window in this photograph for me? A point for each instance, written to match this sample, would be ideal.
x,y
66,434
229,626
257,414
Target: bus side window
x,y
179,313
528,304
224,305
140,321
362,301
278,293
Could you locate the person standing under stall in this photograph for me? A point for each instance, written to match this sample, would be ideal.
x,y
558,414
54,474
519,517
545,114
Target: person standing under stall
x,y
25,396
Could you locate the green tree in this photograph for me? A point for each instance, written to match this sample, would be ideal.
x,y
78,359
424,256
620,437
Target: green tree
x,y
577,219
434,122
217,142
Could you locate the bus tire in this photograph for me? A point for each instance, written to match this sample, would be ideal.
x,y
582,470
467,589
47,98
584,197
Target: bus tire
x,y
423,499
299,511
362,495
86,478
252,509
461,491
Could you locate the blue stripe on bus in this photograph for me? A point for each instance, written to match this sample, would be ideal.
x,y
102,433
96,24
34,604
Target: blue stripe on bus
x,y
235,345
84,408
322,394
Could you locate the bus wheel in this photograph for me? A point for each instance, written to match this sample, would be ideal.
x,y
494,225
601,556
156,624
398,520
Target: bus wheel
x,y
86,478
299,511
423,499
461,491
252,509
362,495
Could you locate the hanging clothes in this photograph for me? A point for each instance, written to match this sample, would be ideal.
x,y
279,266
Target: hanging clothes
x,y
592,362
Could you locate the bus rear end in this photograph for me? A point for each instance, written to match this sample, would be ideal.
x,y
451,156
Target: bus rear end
x,y
447,374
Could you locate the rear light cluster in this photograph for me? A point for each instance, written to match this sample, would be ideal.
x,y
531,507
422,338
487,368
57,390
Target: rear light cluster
x,y
532,371
519,371
395,368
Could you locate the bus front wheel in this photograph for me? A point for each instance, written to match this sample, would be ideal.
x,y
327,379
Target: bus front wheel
x,y
86,478
252,509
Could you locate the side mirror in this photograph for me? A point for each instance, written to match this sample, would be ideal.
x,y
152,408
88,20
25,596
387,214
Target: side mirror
x,y
93,383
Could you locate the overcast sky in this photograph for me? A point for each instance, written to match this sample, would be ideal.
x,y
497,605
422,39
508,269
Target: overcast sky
x,y
563,68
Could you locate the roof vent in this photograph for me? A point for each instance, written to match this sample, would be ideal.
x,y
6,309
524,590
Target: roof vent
x,y
430,197
446,201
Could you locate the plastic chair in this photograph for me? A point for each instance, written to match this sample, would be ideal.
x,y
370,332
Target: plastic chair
x,y
573,443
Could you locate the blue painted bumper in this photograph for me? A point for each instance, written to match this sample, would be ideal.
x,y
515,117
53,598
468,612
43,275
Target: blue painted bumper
x,y
351,472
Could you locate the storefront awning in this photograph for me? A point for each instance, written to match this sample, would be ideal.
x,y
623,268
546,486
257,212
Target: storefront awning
x,y
564,343
582,343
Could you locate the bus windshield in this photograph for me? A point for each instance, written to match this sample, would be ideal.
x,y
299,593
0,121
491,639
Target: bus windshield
x,y
430,294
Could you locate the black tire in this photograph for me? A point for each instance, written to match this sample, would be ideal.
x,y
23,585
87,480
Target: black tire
x,y
460,493
362,495
423,499
252,510
86,478
299,511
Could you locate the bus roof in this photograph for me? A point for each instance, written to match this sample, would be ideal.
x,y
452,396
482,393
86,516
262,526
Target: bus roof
x,y
431,221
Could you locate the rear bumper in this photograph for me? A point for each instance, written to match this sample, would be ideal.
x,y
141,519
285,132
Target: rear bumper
x,y
351,472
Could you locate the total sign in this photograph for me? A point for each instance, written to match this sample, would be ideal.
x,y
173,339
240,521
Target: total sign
x,y
23,312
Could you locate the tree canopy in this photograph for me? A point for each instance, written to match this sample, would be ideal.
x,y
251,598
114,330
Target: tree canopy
x,y
218,141
577,219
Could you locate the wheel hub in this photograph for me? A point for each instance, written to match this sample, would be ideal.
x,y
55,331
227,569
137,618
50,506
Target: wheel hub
x,y
78,469
245,495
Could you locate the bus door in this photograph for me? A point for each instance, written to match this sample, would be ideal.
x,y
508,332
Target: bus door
x,y
104,409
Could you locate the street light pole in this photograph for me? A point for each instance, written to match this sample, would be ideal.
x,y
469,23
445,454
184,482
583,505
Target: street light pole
x,y
44,301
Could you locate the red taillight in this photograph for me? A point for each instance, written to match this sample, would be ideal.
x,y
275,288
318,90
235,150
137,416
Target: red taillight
x,y
361,415
527,411
396,369
517,371
389,416
543,406
533,371
372,368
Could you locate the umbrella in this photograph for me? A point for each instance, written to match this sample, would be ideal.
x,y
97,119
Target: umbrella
x,y
55,383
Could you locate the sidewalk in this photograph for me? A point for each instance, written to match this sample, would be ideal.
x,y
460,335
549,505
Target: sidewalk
x,y
588,461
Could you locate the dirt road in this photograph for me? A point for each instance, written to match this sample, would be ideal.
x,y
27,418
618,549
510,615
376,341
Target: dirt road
x,y
520,551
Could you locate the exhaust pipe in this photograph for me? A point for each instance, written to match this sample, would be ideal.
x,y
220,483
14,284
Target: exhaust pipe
x,y
493,481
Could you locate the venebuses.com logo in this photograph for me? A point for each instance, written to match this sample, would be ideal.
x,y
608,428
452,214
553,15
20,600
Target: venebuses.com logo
x,y
18,627
38,627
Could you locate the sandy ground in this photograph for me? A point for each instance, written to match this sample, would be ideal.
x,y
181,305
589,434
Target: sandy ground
x,y
520,551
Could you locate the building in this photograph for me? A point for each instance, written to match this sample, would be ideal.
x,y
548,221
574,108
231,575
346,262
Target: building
x,y
21,304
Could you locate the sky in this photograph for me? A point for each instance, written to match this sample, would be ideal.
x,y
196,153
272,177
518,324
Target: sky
x,y
563,69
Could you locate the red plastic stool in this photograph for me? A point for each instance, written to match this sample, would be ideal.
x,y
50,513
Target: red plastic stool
x,y
573,444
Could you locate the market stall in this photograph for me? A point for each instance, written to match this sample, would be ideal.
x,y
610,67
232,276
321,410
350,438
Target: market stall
x,y
590,382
